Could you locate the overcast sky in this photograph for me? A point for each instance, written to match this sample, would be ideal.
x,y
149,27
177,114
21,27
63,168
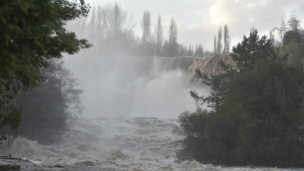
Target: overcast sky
x,y
199,20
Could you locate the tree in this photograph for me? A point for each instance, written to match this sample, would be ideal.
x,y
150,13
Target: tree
x,y
219,41
50,107
119,36
159,36
218,85
92,25
245,55
190,51
282,29
118,18
252,49
214,45
259,117
81,24
226,40
294,24
147,45
173,46
100,29
269,100
199,50
291,35
32,32
292,47
146,26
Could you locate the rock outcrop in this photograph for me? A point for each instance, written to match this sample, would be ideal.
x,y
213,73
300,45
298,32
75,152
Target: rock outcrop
x,y
210,65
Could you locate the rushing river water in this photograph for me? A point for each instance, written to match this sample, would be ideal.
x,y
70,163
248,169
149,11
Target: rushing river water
x,y
117,144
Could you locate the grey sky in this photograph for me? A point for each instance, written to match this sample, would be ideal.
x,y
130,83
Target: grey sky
x,y
199,20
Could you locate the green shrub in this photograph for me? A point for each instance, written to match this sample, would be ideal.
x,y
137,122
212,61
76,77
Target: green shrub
x,y
259,122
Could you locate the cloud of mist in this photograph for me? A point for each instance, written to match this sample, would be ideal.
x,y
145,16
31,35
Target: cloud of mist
x,y
132,87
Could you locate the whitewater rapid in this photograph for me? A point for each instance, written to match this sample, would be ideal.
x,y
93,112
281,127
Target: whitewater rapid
x,y
132,99
117,144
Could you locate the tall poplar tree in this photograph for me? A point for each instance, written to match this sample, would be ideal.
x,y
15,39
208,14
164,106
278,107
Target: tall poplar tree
x,y
92,25
99,26
214,46
173,46
159,36
219,41
226,40
146,26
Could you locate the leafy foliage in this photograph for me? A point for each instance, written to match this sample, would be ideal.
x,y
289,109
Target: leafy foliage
x,y
32,32
252,49
49,108
246,54
291,35
293,48
259,123
260,118
218,84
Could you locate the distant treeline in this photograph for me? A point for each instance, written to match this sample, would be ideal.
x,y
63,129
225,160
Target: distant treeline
x,y
111,33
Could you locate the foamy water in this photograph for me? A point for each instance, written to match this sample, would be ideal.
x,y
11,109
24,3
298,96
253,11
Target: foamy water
x,y
136,144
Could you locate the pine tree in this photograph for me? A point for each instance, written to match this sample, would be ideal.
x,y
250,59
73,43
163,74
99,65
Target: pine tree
x,y
252,49
246,55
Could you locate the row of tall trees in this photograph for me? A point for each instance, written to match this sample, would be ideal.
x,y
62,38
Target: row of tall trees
x,y
221,47
110,30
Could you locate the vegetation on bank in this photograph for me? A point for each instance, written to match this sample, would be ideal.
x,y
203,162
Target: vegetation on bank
x,y
32,36
256,115
50,108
